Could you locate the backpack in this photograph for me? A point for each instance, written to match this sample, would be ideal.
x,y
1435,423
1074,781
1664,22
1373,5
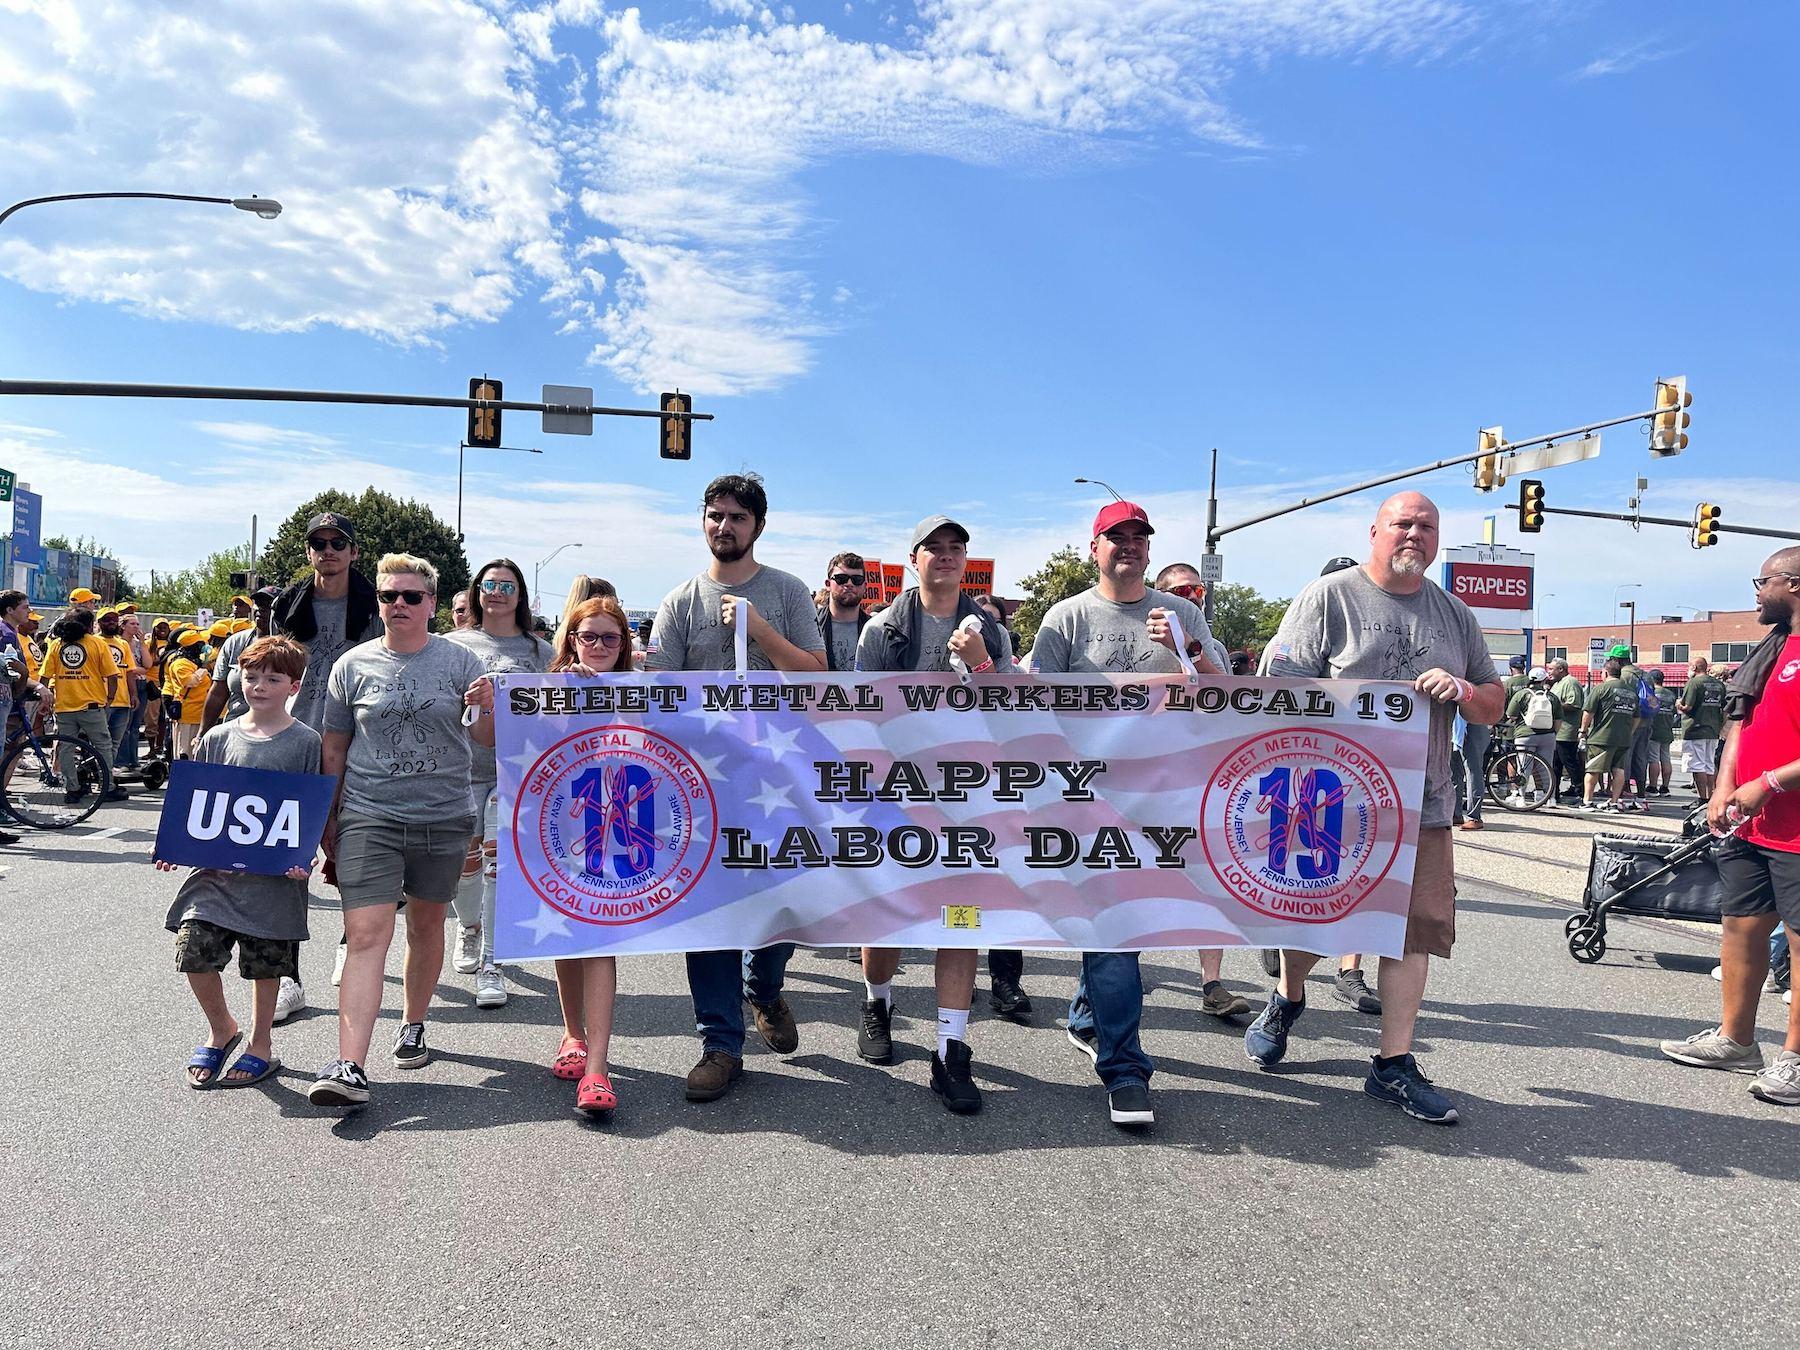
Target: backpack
x,y
1540,714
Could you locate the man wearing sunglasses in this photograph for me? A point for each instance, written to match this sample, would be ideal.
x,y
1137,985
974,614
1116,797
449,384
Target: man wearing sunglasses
x,y
842,616
328,613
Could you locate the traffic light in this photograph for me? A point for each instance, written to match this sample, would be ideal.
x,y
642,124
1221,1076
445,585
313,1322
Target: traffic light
x,y
1487,469
677,432
1706,526
484,423
1668,428
1531,506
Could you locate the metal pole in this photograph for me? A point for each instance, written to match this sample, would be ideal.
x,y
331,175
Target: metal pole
x,y
1212,524
92,389
460,447
1660,520
253,555
1631,628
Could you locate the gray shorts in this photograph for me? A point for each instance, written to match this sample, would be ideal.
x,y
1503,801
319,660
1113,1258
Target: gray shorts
x,y
383,862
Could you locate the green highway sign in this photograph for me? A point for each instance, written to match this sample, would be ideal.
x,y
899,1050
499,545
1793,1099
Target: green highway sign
x,y
7,479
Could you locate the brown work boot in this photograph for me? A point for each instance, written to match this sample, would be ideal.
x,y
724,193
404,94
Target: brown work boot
x,y
776,1023
713,1076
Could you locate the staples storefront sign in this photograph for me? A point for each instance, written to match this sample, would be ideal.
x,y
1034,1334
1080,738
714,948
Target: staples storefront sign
x,y
1491,585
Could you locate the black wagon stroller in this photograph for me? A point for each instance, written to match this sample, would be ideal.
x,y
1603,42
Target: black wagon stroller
x,y
1647,876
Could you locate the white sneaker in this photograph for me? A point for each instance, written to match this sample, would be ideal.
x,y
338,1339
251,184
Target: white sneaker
x,y
337,966
1718,972
468,948
289,1001
490,987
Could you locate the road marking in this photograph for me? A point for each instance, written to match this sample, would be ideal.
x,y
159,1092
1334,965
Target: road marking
x,y
110,832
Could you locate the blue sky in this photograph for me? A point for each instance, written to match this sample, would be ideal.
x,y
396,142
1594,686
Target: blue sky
x,y
944,255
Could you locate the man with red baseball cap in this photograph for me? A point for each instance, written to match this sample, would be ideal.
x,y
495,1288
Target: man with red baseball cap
x,y
1120,627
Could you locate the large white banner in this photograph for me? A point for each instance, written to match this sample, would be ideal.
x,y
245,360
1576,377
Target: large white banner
x,y
691,812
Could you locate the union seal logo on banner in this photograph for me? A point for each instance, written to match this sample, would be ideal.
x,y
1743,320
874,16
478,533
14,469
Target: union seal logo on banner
x,y
622,821
1301,825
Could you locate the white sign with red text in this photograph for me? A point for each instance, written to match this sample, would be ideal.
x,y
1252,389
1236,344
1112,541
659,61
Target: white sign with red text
x,y
1495,581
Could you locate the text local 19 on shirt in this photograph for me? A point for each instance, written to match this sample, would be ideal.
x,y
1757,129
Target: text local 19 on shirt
x,y
693,812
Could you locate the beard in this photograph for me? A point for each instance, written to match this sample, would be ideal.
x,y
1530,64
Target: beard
x,y
1408,564
727,551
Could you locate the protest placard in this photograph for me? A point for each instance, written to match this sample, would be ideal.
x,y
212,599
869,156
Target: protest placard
x,y
242,820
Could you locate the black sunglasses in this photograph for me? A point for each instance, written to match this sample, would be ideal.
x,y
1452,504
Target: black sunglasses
x,y
411,597
845,579
335,544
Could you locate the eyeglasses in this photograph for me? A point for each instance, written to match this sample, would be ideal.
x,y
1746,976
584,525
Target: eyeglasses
x,y
411,597
846,579
610,641
493,587
1188,590
334,544
1757,583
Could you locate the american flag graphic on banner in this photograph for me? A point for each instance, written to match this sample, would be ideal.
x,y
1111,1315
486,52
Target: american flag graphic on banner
x,y
694,812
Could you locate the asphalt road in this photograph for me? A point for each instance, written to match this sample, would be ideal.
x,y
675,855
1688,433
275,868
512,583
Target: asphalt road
x,y
1593,1195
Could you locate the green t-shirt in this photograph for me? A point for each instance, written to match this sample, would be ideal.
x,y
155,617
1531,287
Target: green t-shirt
x,y
1662,725
1516,704
1569,693
1703,708
1613,705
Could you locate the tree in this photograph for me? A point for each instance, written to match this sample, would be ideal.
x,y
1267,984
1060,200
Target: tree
x,y
384,524
1066,573
207,585
1242,619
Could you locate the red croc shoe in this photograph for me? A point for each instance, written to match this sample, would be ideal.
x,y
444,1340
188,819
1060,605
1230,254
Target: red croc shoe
x,y
596,1097
571,1059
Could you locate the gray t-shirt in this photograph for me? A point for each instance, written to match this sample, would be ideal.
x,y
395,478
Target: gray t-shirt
x,y
934,645
322,653
409,750
1089,634
246,902
1344,626
226,669
843,644
520,654
692,637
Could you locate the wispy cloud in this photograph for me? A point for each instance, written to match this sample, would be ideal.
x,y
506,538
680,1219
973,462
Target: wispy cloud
x,y
1628,57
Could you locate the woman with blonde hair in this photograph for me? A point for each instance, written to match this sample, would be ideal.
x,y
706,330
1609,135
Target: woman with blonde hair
x,y
595,640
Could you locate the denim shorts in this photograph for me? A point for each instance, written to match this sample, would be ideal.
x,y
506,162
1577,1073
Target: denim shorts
x,y
385,862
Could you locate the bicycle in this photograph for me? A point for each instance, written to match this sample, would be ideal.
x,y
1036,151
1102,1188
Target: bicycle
x,y
33,789
1517,779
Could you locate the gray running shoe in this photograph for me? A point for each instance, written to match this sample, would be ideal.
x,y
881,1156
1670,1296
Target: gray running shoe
x,y
1219,1001
1780,1081
1714,1050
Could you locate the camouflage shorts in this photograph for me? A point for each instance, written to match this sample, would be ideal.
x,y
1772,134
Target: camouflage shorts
x,y
201,947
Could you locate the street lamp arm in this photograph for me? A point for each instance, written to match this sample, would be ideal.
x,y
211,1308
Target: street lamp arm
x,y
265,207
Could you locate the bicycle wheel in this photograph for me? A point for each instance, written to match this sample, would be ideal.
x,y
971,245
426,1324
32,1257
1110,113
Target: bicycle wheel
x,y
36,791
1520,780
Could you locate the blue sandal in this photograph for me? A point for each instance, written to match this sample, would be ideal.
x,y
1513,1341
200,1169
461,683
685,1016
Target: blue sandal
x,y
257,1067
210,1057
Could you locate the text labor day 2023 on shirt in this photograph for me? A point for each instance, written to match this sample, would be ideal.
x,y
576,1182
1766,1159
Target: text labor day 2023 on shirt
x,y
698,812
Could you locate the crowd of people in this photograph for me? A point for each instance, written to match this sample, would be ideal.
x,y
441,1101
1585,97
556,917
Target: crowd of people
x,y
340,675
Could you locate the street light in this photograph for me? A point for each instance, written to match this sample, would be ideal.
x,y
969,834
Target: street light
x,y
264,208
541,566
1100,482
464,445
1538,614
1618,605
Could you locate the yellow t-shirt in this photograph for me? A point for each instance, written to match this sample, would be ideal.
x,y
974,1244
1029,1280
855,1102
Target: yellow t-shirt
x,y
78,672
193,698
121,650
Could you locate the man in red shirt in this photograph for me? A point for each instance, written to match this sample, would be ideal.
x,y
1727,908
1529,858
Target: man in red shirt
x,y
1759,870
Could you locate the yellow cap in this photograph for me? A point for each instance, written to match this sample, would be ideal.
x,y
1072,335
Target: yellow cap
x,y
35,617
220,628
189,639
236,598
108,610
239,625
128,609
81,595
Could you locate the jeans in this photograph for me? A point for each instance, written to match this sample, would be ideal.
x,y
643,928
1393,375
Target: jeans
x,y
1640,757
1474,755
90,725
1109,1000
475,896
127,745
118,721
719,981
1006,965
1568,765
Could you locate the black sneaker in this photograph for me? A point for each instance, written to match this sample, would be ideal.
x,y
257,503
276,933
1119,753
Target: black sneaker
x,y
117,794
1009,1001
1086,1040
1129,1105
951,1081
341,1083
410,1050
875,1037
1271,962
1352,988
1266,1040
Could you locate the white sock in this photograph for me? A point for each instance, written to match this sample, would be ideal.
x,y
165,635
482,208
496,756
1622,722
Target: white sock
x,y
884,992
953,1025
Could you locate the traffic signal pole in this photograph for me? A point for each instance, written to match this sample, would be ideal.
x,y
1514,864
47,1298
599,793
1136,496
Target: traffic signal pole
x,y
1659,520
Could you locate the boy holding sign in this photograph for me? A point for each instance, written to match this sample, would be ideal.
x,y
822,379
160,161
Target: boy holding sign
x,y
263,916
